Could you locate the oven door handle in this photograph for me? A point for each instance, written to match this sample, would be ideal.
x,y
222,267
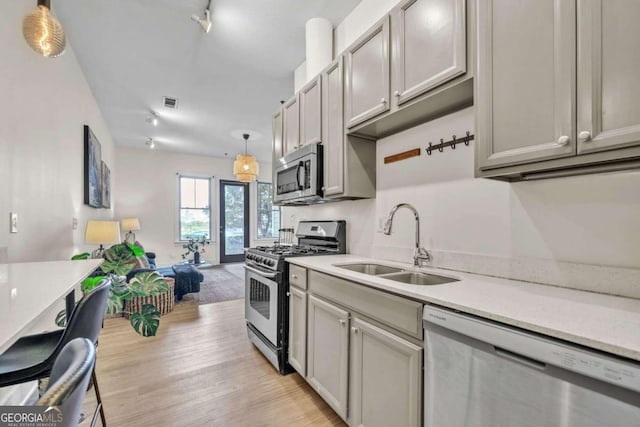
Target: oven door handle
x,y
261,273
300,166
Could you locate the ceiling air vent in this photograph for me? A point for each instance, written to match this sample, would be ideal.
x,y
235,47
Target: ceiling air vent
x,y
170,102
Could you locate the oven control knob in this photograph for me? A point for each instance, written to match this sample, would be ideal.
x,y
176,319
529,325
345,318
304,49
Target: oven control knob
x,y
272,263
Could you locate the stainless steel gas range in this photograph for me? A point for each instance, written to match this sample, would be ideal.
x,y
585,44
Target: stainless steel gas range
x,y
267,285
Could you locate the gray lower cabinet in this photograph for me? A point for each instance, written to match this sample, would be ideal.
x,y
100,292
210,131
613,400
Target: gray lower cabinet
x,y
298,330
291,124
367,72
429,46
385,378
358,361
328,353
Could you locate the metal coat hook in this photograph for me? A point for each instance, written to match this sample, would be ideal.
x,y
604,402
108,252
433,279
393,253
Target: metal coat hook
x,y
454,141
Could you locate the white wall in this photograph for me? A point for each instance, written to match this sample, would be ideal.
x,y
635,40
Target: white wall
x,y
592,219
45,104
147,189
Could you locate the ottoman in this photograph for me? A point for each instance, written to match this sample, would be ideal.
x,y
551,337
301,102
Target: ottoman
x,y
187,278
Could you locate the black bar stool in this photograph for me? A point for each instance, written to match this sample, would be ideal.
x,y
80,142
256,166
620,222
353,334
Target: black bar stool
x,y
32,357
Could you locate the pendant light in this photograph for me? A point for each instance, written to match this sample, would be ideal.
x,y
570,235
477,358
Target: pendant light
x,y
245,167
43,32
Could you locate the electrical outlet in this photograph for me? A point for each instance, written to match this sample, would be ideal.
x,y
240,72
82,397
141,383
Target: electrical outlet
x,y
380,225
13,222
74,224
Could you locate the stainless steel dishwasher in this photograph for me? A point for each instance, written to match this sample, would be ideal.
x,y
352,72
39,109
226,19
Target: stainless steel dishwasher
x,y
480,373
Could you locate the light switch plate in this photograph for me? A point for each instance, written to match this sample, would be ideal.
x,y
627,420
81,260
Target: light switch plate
x,y
13,222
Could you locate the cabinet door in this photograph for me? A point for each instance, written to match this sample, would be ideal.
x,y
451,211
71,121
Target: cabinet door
x,y
386,372
277,149
291,125
429,45
311,112
328,352
333,128
525,83
298,330
367,75
277,135
608,70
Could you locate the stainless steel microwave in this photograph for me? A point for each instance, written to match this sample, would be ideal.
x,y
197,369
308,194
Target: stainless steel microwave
x,y
298,176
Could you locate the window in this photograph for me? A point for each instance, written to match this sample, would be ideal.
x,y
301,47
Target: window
x,y
268,215
194,214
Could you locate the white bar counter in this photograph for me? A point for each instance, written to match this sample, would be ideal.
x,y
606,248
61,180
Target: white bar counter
x,y
27,290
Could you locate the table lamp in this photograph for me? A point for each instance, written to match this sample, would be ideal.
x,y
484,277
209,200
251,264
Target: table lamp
x,y
101,233
131,224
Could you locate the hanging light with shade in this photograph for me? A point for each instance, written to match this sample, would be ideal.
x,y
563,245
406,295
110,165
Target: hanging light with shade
x,y
245,167
43,32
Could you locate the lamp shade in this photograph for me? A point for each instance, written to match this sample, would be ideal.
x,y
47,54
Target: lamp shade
x,y
130,224
245,168
42,31
102,232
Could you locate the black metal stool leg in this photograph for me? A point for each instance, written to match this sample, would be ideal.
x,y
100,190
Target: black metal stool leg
x,y
98,398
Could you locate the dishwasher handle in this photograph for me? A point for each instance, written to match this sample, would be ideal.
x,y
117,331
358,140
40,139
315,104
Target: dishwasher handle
x,y
519,358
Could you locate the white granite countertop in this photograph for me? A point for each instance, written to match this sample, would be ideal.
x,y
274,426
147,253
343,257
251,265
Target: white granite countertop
x,y
603,322
28,289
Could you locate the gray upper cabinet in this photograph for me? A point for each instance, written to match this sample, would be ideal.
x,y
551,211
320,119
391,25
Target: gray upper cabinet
x,y
291,124
525,83
608,70
429,45
311,112
333,128
367,83
556,88
277,135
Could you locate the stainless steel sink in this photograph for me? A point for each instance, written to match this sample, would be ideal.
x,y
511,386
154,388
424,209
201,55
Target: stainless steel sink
x,y
421,279
371,269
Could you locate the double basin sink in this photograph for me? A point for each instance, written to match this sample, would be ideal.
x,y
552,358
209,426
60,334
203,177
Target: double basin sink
x,y
398,274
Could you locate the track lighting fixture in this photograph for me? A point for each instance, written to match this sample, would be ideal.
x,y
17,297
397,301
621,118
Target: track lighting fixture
x,y
153,119
205,23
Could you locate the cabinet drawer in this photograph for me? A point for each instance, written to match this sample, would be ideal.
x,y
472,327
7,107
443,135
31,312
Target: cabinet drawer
x,y
298,276
398,313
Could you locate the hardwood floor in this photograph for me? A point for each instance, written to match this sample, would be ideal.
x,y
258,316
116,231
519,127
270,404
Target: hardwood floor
x,y
201,370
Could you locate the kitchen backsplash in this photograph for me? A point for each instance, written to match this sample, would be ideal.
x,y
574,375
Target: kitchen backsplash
x,y
579,232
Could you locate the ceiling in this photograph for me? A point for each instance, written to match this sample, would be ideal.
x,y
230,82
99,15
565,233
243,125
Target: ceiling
x,y
135,52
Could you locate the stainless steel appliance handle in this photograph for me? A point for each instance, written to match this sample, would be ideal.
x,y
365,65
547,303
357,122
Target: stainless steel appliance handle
x,y
261,273
300,166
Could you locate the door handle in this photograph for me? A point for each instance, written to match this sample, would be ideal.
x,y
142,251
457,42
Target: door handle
x,y
300,166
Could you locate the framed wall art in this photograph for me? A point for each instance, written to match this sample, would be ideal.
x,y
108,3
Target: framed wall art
x,y
92,169
106,186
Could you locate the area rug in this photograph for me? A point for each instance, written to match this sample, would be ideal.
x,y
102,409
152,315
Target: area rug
x,y
221,283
